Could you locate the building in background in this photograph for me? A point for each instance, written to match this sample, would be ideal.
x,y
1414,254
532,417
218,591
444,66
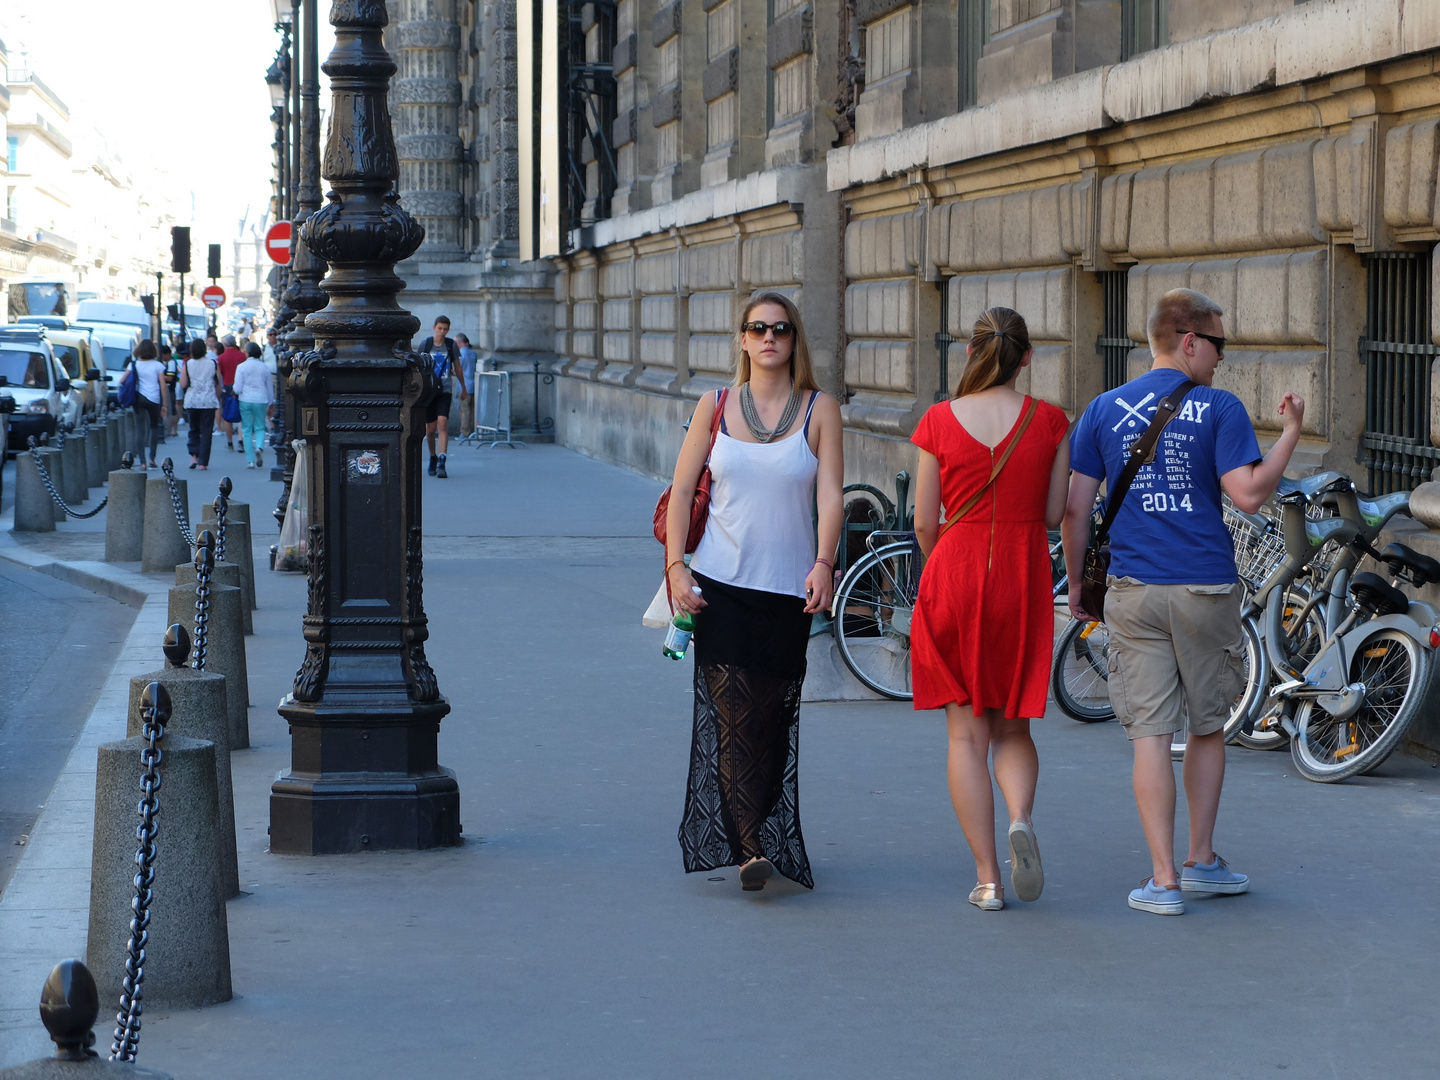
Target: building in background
x,y
454,105
898,167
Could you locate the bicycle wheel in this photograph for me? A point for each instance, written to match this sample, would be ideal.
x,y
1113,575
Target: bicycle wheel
x,y
873,608
1244,702
1079,675
1393,666
1302,644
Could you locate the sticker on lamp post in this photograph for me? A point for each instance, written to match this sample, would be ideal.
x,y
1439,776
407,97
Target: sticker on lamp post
x,y
362,466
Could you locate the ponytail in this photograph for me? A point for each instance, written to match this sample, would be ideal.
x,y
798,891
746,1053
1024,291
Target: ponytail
x,y
999,342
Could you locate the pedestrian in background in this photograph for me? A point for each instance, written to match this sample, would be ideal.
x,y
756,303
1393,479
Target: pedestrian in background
x,y
467,385
172,379
753,584
229,359
256,391
998,461
201,382
1173,606
152,398
271,357
445,360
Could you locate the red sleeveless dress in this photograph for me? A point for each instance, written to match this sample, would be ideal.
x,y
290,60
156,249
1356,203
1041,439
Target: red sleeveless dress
x,y
984,622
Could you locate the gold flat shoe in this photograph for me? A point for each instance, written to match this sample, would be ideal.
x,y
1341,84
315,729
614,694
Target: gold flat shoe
x,y
988,896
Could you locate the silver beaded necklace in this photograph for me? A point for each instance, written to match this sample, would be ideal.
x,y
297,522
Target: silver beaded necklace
x,y
752,415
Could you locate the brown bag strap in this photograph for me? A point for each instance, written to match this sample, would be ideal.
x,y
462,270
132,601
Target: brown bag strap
x,y
1032,405
1142,452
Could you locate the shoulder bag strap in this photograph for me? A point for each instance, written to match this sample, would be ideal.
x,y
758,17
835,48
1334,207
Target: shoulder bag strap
x,y
1142,452
715,421
969,505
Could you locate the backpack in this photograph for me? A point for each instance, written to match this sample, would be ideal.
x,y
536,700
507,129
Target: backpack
x,y
126,392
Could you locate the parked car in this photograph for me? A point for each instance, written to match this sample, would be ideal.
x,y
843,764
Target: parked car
x,y
34,378
50,322
72,349
117,341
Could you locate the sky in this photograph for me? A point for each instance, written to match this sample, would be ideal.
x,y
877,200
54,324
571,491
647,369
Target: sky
x,y
177,84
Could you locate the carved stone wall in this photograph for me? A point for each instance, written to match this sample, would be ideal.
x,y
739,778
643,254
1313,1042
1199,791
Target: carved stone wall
x,y
425,96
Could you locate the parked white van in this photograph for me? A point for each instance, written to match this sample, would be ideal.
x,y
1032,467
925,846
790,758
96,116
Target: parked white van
x,y
115,311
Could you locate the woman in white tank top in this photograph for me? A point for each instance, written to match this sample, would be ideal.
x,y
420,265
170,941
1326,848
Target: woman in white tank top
x,y
760,581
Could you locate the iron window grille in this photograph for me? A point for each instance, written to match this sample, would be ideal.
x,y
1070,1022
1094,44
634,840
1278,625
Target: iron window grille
x,y
1397,350
1114,343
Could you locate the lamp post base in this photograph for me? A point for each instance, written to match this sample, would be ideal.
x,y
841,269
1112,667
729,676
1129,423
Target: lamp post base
x,y
345,794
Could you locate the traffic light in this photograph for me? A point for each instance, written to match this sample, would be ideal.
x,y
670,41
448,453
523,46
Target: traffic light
x,y
214,262
173,310
180,249
148,302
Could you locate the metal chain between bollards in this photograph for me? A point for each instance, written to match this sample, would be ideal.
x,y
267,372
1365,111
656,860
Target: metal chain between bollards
x,y
222,507
204,568
182,518
155,711
50,487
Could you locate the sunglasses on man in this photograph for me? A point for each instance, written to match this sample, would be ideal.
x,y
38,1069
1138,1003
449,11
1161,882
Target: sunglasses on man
x,y
758,330
1218,342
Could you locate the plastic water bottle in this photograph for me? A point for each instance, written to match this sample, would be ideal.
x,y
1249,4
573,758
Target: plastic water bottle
x,y
682,629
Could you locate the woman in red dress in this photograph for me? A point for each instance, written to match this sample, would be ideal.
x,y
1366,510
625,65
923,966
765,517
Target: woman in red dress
x,y
984,622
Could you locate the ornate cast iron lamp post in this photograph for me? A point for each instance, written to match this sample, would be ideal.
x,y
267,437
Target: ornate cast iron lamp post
x,y
304,294
277,78
365,711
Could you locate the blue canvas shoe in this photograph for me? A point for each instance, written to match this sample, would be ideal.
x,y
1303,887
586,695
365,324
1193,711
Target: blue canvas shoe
x,y
1160,901
1215,877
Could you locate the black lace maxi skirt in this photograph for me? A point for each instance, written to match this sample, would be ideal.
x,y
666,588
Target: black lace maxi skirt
x,y
743,797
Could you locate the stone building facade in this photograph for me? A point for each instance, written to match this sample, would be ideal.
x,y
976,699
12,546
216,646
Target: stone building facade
x,y
897,167
453,99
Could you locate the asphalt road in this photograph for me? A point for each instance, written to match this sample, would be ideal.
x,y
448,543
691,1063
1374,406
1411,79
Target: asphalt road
x,y
57,645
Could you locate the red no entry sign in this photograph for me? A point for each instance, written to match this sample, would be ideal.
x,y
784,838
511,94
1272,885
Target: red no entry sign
x,y
277,242
212,297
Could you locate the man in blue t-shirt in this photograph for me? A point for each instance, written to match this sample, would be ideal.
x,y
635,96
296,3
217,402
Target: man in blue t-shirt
x,y
445,358
1173,608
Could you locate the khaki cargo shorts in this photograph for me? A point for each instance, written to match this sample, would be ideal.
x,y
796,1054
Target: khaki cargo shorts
x,y
1174,649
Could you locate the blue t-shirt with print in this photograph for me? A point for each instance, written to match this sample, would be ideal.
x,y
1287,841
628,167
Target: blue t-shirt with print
x,y
1170,529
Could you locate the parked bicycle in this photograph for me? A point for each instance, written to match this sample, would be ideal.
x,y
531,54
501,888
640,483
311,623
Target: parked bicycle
x,y
875,599
1346,699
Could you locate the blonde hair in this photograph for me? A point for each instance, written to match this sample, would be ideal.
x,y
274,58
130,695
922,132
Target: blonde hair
x,y
1176,309
998,343
802,372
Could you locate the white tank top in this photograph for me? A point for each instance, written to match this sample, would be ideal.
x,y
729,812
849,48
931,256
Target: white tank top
x,y
760,534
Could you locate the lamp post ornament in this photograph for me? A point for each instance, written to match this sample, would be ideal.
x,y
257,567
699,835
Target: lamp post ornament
x,y
366,708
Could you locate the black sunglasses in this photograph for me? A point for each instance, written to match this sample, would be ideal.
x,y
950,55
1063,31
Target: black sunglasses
x,y
1218,342
758,329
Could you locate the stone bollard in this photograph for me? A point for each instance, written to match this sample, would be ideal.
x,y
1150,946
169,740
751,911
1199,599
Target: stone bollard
x,y
69,1007
54,461
95,470
125,516
127,431
225,573
163,545
187,961
237,547
197,710
225,654
113,450
76,489
34,509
